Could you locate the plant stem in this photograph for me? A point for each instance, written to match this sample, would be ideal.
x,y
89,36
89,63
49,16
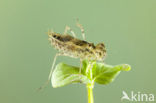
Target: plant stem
x,y
90,85
90,93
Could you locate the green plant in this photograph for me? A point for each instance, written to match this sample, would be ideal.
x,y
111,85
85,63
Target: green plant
x,y
91,72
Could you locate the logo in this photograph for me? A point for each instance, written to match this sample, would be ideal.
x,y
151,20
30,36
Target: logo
x,y
138,96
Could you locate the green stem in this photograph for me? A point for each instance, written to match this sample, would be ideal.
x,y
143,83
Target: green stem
x,y
90,93
90,85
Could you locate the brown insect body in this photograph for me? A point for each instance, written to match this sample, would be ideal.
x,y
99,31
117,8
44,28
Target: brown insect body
x,y
73,47
76,48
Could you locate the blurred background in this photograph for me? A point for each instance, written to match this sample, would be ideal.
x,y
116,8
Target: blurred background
x,y
127,27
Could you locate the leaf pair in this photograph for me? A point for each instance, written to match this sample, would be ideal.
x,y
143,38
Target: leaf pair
x,y
101,73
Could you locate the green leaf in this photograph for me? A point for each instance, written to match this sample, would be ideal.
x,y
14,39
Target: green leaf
x,y
100,73
105,74
65,74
